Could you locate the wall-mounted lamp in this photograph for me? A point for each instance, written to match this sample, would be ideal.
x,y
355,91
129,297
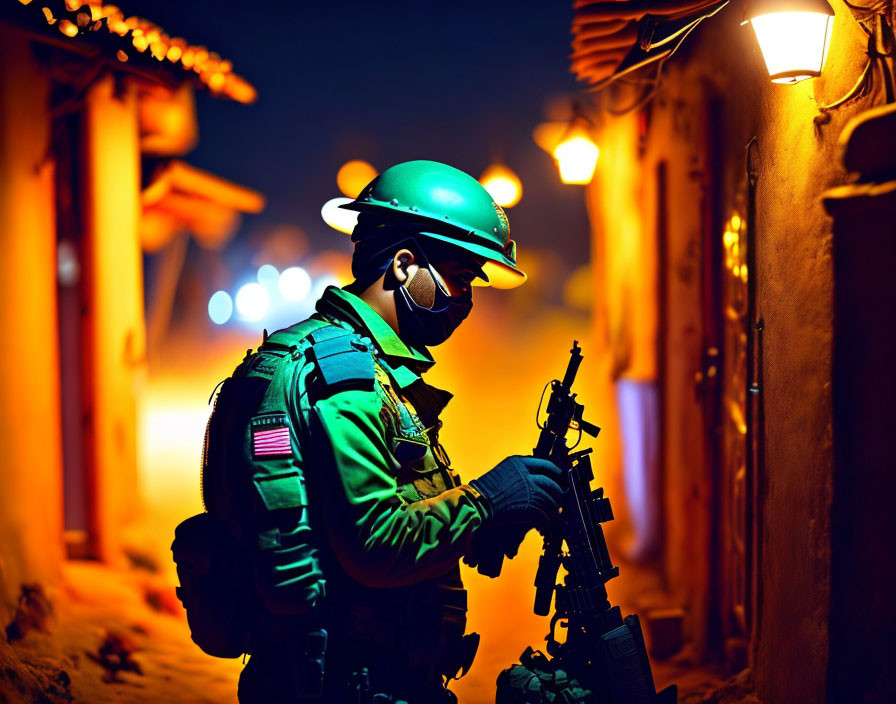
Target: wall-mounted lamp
x,y
793,35
576,153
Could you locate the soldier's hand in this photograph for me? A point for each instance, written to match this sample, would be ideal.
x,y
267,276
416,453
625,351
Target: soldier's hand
x,y
521,491
491,544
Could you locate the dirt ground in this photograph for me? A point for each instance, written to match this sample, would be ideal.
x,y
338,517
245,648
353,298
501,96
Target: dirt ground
x,y
120,635
113,636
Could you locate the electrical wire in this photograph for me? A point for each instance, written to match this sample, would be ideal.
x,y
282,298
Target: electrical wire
x,y
874,20
653,85
860,89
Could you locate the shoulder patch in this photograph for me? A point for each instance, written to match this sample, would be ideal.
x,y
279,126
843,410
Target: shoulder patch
x,y
270,436
343,358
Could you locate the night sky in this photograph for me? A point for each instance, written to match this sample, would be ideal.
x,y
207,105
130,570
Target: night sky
x,y
459,82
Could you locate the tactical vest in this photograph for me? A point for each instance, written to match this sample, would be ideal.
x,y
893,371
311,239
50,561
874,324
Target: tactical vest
x,y
420,627
415,629
424,465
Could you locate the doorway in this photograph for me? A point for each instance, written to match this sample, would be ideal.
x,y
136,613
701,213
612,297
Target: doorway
x,y
79,491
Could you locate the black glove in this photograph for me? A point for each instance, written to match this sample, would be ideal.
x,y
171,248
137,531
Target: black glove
x,y
521,491
491,544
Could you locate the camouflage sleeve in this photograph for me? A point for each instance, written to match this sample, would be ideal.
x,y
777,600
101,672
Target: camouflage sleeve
x,y
379,538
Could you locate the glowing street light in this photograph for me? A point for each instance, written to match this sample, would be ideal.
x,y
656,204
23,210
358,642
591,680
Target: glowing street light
x,y
252,301
793,35
339,218
353,176
295,283
220,307
502,184
576,154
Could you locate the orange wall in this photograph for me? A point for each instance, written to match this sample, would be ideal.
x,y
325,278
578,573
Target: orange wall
x,y
797,161
30,442
794,274
623,209
627,261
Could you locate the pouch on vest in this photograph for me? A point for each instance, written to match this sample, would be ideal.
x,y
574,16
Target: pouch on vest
x,y
214,587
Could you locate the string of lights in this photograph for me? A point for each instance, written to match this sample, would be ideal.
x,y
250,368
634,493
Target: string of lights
x,y
135,38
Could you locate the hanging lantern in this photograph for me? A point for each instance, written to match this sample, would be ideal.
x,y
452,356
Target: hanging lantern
x,y
793,36
576,153
502,184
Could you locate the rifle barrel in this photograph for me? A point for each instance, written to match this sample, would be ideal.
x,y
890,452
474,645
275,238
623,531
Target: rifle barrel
x,y
572,369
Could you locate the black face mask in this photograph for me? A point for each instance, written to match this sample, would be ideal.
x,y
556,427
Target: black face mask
x,y
427,315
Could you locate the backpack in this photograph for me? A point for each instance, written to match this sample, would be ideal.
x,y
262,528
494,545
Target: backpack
x,y
214,550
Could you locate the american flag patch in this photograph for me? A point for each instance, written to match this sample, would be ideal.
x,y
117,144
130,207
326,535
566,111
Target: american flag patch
x,y
273,442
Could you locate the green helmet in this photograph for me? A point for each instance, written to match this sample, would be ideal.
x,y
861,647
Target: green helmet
x,y
465,213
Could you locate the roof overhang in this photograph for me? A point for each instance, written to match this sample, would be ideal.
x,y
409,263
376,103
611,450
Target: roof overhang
x,y
103,33
182,198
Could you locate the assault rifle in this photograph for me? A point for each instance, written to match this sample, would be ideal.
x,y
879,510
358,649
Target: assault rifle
x,y
602,650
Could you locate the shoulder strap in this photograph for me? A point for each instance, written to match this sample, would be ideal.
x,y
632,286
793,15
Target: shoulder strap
x,y
343,357
281,347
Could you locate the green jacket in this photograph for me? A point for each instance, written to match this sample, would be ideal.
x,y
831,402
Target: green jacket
x,y
364,466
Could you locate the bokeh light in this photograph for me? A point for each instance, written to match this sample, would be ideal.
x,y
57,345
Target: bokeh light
x,y
576,158
547,135
220,307
339,218
268,276
502,184
321,284
252,301
67,265
295,283
353,176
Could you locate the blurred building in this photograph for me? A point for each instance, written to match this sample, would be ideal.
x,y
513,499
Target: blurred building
x,y
95,108
746,306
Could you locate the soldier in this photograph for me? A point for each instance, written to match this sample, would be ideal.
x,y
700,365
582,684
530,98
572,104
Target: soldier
x,y
358,522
